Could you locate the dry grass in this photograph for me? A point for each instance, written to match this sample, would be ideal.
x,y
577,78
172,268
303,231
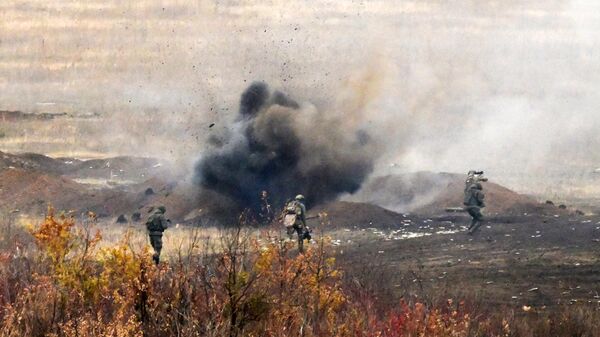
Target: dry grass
x,y
57,278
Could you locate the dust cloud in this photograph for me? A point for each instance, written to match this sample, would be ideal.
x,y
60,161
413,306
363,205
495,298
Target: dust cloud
x,y
506,87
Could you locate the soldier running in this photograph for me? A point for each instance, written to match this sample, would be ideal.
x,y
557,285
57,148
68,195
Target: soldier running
x,y
474,203
156,225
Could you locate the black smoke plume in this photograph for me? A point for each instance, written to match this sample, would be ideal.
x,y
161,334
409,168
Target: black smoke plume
x,y
279,147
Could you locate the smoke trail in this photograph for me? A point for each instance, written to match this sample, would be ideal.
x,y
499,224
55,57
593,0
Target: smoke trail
x,y
284,148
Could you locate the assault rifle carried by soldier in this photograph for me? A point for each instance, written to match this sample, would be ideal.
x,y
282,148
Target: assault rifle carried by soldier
x,y
474,177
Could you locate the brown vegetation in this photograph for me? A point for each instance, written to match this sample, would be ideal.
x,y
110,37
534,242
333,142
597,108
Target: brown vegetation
x,y
57,281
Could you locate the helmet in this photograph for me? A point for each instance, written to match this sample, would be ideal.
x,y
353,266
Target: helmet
x,y
161,209
299,197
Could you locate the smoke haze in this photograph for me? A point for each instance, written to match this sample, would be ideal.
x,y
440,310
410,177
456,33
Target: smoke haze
x,y
503,86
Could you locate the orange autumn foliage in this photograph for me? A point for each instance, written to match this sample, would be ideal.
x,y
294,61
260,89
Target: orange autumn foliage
x,y
66,286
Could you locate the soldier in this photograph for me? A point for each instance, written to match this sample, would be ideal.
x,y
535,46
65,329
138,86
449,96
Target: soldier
x,y
266,212
156,225
474,202
297,208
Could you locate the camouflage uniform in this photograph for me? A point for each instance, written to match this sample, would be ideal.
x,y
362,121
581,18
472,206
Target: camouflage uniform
x,y
299,226
470,181
474,203
156,225
266,212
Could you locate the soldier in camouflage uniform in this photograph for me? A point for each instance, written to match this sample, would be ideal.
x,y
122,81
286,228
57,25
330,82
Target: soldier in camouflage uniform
x,y
156,225
266,211
299,209
474,203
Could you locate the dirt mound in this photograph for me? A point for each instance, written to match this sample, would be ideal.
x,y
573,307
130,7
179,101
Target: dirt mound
x,y
32,191
14,116
30,182
32,161
348,214
431,193
136,169
499,200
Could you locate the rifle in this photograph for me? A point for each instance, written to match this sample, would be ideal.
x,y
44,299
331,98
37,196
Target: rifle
x,y
476,176
455,209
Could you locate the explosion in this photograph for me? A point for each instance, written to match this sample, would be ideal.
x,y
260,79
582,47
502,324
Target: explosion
x,y
285,148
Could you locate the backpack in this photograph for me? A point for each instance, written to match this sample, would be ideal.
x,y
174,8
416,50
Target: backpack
x,y
291,213
154,224
292,207
469,195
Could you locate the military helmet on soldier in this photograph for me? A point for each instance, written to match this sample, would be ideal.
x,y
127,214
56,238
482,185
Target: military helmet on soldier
x,y
299,197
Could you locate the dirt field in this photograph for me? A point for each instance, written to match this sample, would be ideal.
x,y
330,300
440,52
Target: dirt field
x,y
539,261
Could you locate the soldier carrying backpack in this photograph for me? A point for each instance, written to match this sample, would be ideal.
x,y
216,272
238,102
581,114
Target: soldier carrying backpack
x,y
295,220
156,225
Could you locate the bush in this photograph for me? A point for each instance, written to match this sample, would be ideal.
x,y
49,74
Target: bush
x,y
67,286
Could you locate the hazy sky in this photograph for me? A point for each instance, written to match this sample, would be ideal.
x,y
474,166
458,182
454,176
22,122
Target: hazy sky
x,y
505,86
